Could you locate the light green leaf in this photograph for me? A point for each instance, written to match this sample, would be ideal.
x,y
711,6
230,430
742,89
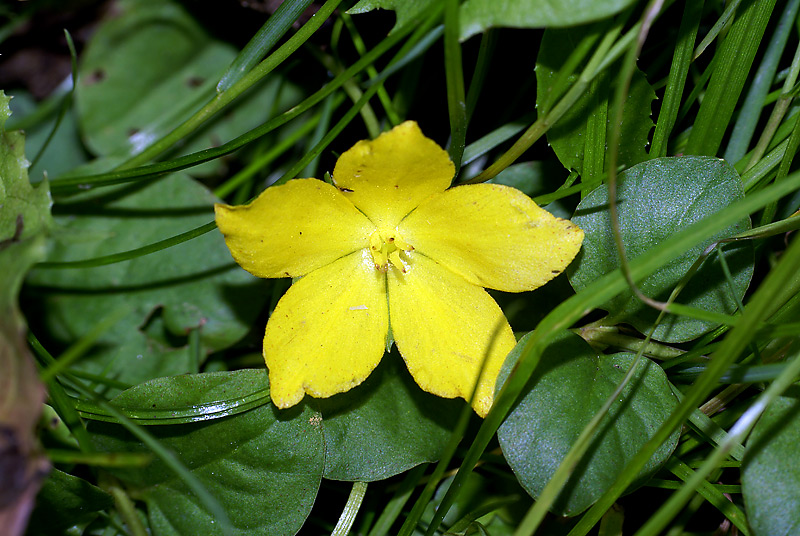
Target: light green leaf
x,y
264,466
569,386
24,220
770,473
570,135
384,426
479,15
194,285
656,199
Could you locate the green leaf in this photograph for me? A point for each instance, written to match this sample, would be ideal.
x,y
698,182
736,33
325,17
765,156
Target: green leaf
x,y
66,501
770,474
406,10
24,220
264,466
657,199
568,387
479,15
194,285
126,100
384,426
572,137
196,398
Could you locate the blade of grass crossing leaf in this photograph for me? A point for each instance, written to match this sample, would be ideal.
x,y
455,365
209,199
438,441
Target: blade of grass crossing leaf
x,y
736,55
350,511
759,308
265,159
711,494
82,345
372,72
676,80
543,124
269,34
76,184
66,101
750,110
715,30
591,297
394,508
328,107
134,253
410,524
454,76
169,459
594,150
778,112
708,428
62,402
245,82
487,46
737,434
127,510
331,135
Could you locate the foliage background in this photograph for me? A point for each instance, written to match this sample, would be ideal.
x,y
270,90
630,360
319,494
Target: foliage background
x,y
664,129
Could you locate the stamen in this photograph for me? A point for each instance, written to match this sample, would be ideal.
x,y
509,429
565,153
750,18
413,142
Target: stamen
x,y
385,247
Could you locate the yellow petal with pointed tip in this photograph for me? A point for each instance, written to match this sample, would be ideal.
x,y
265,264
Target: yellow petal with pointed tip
x,y
292,229
328,331
388,177
447,330
494,236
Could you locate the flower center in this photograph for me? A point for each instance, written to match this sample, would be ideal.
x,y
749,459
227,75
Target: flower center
x,y
385,247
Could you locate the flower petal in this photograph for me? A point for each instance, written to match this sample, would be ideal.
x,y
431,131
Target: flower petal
x,y
292,229
388,177
445,328
328,331
493,235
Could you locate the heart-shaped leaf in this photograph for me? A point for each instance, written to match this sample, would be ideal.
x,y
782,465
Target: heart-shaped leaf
x,y
264,465
656,199
770,473
385,425
160,297
568,387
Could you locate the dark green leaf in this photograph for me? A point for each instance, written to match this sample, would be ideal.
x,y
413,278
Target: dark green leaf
x,y
656,199
66,501
570,136
384,426
569,386
194,285
770,473
264,466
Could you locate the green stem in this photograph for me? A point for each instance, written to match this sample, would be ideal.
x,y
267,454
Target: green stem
x,y
350,511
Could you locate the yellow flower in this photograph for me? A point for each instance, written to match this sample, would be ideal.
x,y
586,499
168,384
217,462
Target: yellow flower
x,y
389,245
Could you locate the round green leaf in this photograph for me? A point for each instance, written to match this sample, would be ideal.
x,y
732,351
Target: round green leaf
x,y
264,466
384,426
568,387
770,473
572,137
655,200
194,285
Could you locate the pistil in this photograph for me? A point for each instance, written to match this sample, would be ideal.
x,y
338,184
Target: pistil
x,y
385,247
